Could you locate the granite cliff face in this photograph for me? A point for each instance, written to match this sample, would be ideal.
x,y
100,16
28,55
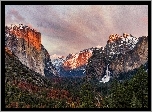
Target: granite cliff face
x,y
77,60
132,59
49,69
122,53
25,43
74,64
17,72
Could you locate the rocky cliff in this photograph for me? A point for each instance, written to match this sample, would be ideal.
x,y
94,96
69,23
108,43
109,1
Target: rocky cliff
x,y
74,64
49,69
77,60
18,72
122,53
25,43
131,59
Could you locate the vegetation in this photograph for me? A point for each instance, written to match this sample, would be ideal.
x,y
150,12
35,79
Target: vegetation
x,y
131,93
26,89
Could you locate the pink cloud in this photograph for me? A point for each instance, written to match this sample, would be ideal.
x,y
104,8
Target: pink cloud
x,y
13,17
144,20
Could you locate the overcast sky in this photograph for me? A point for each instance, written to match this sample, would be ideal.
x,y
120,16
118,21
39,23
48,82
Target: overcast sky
x,y
71,28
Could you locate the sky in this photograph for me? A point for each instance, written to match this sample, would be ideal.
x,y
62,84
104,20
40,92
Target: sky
x,y
71,28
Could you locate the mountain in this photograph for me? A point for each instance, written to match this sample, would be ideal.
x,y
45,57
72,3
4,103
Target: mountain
x,y
77,60
49,69
119,44
15,70
25,43
133,58
57,63
74,64
25,88
122,53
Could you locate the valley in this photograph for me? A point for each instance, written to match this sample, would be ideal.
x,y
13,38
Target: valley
x,y
114,76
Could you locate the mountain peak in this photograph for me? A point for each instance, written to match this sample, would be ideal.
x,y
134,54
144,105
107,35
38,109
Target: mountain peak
x,y
76,60
28,34
115,37
25,43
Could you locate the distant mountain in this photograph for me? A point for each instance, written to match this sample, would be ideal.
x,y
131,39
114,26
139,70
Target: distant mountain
x,y
98,58
49,69
25,43
57,63
74,64
122,53
77,60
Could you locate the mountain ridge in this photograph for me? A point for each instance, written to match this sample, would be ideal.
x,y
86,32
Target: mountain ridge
x,y
25,43
101,58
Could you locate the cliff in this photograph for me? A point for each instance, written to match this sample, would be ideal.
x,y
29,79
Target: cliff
x,y
76,60
122,53
31,36
49,69
74,64
25,43
132,59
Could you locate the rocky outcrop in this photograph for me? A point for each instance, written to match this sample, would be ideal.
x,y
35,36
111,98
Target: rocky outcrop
x,y
15,70
74,64
132,59
25,43
77,60
49,69
122,53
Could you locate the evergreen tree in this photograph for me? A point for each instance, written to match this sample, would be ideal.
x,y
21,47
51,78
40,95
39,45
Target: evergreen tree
x,y
87,96
140,86
135,103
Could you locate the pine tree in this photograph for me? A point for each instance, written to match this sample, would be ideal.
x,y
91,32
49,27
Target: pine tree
x,y
87,96
135,103
140,85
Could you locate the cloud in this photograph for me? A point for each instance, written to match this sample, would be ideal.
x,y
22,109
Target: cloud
x,y
72,28
13,17
144,20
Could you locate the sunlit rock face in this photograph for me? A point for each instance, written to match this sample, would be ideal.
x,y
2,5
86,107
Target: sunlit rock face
x,y
31,36
77,60
25,43
74,64
122,53
116,37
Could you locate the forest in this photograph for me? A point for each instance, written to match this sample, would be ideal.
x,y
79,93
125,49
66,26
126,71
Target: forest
x,y
27,89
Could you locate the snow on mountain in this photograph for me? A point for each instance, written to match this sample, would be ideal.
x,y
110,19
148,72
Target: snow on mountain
x,y
128,54
74,64
120,44
130,41
77,60
57,63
